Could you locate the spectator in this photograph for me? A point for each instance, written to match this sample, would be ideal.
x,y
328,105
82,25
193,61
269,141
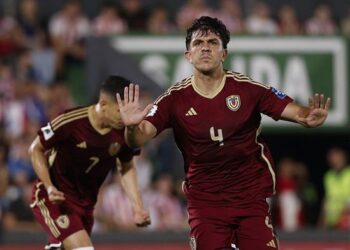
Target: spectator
x,y
57,98
20,168
114,209
24,70
29,23
4,174
134,14
289,205
68,29
108,21
321,23
10,39
191,10
288,21
19,217
345,24
144,170
230,13
336,186
6,90
158,22
307,193
44,60
164,206
260,21
344,220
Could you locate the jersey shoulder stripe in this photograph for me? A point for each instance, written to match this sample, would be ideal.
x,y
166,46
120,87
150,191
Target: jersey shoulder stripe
x,y
243,78
69,117
177,86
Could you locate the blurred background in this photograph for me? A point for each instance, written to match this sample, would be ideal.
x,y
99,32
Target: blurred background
x,y
55,54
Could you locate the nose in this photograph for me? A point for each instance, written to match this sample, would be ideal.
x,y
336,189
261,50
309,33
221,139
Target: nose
x,y
205,47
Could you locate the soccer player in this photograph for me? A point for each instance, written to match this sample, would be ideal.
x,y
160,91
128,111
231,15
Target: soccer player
x,y
72,156
215,115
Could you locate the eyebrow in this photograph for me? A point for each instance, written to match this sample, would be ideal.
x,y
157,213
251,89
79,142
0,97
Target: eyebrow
x,y
209,40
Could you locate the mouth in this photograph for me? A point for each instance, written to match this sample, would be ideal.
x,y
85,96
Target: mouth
x,y
205,57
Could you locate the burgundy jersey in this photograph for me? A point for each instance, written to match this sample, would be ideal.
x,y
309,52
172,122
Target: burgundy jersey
x,y
218,135
79,156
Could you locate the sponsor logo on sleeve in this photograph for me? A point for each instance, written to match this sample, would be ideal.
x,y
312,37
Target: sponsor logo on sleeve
x,y
152,111
47,132
280,94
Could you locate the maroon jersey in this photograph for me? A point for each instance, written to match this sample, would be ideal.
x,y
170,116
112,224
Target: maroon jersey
x,y
79,156
218,135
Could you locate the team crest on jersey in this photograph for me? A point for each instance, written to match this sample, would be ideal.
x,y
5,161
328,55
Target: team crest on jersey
x,y
114,148
193,243
233,102
63,221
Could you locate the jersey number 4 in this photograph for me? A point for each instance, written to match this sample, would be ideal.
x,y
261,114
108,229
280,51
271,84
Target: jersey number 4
x,y
94,161
217,136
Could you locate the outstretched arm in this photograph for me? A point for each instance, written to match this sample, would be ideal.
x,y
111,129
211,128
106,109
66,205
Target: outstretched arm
x,y
130,186
138,131
310,117
41,168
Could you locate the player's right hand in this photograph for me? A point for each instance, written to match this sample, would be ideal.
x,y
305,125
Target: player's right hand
x,y
142,218
130,111
55,196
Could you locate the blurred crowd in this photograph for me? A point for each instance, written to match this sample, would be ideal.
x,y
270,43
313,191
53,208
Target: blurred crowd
x,y
35,56
297,202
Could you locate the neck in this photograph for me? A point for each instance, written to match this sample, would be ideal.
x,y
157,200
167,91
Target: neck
x,y
208,83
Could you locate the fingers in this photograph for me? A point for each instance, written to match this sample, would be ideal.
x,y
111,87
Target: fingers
x,y
328,104
137,92
129,95
322,101
145,223
317,101
126,95
119,100
311,103
131,92
56,197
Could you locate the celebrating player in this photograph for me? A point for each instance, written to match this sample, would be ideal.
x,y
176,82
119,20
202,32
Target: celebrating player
x,y
215,115
72,156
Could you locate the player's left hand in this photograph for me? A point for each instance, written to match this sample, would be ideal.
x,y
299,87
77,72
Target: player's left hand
x,y
130,110
318,111
142,218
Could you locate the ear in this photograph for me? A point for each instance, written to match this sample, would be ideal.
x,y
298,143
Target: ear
x,y
103,104
224,55
188,56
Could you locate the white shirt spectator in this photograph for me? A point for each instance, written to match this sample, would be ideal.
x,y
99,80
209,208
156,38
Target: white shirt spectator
x,y
70,31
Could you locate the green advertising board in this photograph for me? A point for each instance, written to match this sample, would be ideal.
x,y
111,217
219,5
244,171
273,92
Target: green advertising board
x,y
299,66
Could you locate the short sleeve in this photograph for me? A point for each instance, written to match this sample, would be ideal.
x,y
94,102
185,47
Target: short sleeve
x,y
272,102
160,113
52,134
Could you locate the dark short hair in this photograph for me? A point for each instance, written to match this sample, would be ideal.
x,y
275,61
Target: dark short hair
x,y
205,24
114,84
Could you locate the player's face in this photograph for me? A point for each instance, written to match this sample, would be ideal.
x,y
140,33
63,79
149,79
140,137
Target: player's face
x,y
112,114
206,52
